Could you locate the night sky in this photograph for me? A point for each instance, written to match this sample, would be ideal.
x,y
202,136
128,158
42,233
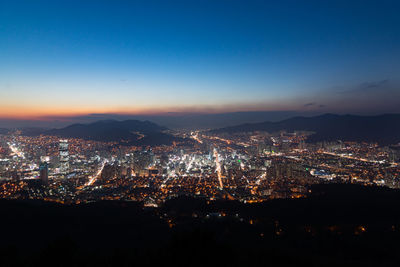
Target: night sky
x,y
151,57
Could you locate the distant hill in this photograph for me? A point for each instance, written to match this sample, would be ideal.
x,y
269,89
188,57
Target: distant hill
x,y
172,120
214,120
133,132
384,129
4,131
32,131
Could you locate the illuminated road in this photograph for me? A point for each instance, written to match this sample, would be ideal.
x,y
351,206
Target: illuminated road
x,y
218,168
190,164
16,151
93,179
228,142
260,178
354,158
195,136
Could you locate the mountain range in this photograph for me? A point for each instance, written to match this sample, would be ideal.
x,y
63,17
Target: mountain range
x,y
172,120
132,132
384,129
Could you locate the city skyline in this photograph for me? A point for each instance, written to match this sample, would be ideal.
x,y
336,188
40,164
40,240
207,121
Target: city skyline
x,y
199,133
73,59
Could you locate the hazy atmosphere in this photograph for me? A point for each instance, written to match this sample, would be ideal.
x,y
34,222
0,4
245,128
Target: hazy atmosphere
x,y
199,133
73,58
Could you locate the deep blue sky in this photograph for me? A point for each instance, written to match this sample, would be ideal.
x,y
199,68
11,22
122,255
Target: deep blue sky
x,y
77,57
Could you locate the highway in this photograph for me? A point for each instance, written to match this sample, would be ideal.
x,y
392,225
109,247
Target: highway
x,y
95,177
218,168
355,158
15,150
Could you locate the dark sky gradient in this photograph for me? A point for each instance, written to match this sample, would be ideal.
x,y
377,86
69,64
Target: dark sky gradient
x,y
67,58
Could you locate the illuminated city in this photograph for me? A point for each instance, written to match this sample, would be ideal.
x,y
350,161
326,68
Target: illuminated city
x,y
251,167
199,133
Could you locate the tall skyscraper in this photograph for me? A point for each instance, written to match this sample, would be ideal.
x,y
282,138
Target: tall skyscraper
x,y
64,156
44,172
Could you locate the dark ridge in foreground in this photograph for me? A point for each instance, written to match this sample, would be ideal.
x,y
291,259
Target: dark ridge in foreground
x,y
384,129
338,225
132,132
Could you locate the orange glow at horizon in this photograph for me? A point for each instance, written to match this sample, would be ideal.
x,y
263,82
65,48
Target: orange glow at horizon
x,y
49,113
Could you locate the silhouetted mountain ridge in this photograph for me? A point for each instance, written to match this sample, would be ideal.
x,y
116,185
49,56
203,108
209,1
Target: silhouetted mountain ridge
x,y
132,132
337,225
384,129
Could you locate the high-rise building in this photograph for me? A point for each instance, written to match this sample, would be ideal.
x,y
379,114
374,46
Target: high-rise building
x,y
44,172
64,156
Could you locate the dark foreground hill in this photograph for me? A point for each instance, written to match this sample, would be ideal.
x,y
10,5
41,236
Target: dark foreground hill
x,y
338,225
384,129
133,132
